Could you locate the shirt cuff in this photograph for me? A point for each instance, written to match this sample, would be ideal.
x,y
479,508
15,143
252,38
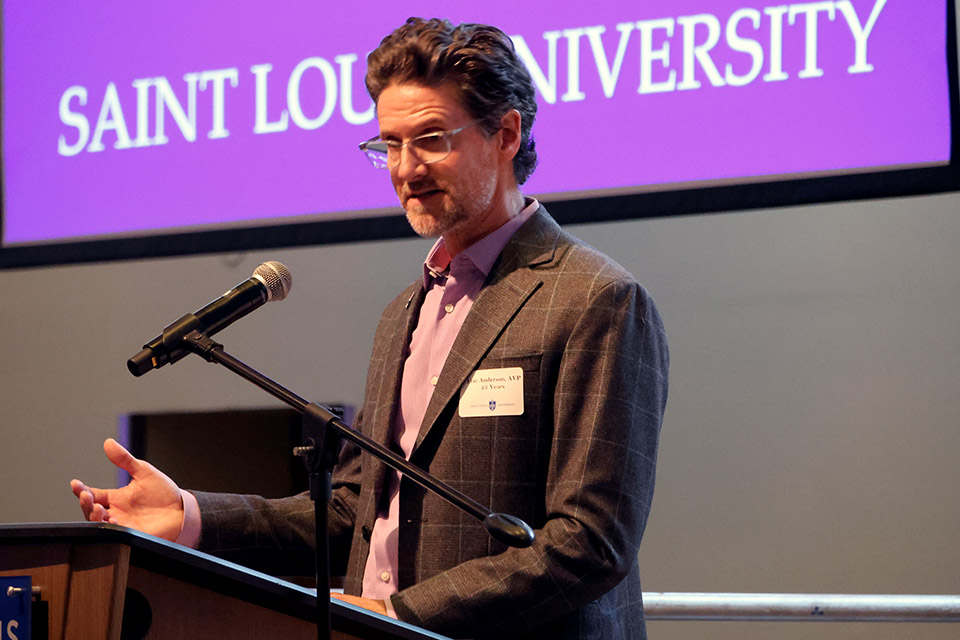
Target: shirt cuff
x,y
190,529
388,603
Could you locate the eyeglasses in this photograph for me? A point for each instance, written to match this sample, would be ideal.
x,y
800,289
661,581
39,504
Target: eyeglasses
x,y
428,148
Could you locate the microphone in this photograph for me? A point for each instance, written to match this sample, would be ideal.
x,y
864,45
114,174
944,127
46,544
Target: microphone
x,y
271,281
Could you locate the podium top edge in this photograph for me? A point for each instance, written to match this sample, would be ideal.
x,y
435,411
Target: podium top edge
x,y
215,573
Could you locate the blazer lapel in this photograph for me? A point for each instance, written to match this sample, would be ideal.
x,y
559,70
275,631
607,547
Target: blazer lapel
x,y
511,282
394,357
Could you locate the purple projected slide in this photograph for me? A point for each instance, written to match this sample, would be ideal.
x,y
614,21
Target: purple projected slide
x,y
121,117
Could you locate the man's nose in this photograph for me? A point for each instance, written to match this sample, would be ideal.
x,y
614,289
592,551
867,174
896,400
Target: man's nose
x,y
410,165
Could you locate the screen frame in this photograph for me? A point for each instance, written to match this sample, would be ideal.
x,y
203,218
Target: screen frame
x,y
665,201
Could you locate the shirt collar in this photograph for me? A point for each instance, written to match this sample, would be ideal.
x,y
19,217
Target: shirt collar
x,y
482,253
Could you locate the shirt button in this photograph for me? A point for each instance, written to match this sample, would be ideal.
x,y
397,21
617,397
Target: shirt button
x,y
449,307
385,576
433,380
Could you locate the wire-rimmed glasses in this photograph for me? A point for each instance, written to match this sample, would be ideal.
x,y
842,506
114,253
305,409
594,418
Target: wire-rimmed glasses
x,y
428,148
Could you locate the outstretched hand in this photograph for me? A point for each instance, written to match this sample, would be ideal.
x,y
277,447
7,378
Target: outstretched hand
x,y
151,502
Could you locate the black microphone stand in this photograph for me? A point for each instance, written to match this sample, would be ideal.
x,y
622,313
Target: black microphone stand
x,y
322,431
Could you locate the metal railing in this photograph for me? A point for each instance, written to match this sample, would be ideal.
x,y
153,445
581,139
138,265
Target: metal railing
x,y
801,607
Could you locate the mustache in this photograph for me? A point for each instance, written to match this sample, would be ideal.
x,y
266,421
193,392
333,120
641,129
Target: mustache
x,y
412,188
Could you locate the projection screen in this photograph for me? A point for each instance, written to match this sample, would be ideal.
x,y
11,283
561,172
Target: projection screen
x,y
136,129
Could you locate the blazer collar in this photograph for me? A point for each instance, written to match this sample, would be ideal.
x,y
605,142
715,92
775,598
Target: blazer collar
x,y
512,281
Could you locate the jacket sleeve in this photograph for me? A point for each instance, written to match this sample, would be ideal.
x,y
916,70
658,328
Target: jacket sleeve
x,y
277,535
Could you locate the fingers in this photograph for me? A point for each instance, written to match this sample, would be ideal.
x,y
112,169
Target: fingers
x,y
77,487
377,606
120,457
97,496
93,510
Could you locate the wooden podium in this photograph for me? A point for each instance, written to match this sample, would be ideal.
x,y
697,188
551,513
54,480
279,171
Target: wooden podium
x,y
100,581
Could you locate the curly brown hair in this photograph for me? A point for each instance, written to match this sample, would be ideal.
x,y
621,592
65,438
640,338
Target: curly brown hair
x,y
477,58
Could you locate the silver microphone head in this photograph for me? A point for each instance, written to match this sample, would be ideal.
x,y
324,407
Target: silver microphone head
x,y
276,278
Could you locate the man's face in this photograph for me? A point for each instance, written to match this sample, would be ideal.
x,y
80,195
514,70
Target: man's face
x,y
451,196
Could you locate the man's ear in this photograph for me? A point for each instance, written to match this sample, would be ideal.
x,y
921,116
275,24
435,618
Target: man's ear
x,y
510,133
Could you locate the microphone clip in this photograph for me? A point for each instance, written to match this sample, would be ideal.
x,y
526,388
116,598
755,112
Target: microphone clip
x,y
199,343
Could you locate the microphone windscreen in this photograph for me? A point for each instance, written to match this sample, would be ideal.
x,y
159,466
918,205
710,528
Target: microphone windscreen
x,y
276,278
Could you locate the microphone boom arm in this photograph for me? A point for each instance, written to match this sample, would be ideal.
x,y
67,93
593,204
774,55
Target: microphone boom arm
x,y
517,534
322,430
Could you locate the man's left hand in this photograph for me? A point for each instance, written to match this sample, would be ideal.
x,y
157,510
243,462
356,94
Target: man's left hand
x,y
377,606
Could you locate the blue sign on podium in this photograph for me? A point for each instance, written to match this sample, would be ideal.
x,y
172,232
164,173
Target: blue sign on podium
x,y
15,601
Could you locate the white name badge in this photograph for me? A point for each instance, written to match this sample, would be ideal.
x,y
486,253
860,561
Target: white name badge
x,y
492,392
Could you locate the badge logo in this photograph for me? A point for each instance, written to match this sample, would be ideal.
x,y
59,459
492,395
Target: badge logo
x,y
493,405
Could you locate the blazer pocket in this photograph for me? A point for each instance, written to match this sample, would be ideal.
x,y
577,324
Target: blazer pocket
x,y
506,448
530,365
